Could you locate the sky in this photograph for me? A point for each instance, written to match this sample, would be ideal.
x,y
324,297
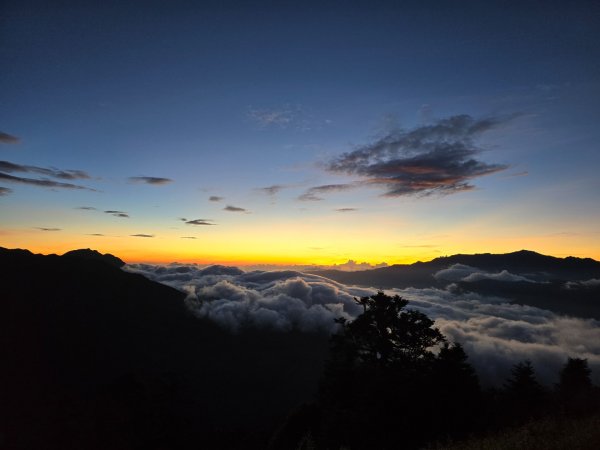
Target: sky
x,y
300,132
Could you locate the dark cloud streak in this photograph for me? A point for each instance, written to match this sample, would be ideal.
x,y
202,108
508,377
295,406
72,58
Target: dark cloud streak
x,y
156,181
200,222
117,213
272,190
313,194
234,209
42,182
6,166
6,138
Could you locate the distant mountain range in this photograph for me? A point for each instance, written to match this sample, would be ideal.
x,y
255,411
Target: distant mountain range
x,y
564,285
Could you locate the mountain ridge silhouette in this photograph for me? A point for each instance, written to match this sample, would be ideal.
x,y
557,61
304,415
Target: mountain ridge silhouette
x,y
553,281
96,357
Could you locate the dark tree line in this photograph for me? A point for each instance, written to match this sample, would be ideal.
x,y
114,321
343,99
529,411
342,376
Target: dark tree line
x,y
393,381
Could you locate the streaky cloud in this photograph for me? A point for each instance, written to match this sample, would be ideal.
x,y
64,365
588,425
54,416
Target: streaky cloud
x,y
314,193
117,213
432,159
6,138
86,208
200,222
48,229
343,210
42,182
215,198
234,209
5,191
592,282
353,266
189,237
157,181
6,166
272,190
142,235
282,117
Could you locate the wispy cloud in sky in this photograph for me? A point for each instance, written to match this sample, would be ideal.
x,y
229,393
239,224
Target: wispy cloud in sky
x,y
117,213
272,190
282,117
234,209
188,237
314,193
215,198
439,158
517,174
6,138
5,191
48,229
342,210
142,235
6,166
86,208
157,181
200,222
42,182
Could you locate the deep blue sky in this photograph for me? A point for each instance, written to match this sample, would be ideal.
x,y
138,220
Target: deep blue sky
x,y
224,98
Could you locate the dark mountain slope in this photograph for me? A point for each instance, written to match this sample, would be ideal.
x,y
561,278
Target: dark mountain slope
x,y
94,357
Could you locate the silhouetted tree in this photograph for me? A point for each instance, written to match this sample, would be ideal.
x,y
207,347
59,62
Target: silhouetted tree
x,y
524,395
377,385
523,382
387,335
575,376
575,388
457,392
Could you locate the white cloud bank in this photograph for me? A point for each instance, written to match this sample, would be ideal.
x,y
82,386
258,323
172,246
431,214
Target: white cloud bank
x,y
495,333
462,272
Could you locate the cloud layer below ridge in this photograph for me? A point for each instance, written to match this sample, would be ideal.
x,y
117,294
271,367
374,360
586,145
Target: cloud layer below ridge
x,y
495,333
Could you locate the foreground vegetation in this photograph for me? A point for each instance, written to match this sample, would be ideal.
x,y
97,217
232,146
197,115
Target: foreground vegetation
x,y
550,433
392,381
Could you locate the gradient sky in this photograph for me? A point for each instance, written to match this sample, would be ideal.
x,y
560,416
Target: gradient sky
x,y
298,133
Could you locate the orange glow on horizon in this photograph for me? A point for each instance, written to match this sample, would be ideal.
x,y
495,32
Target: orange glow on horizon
x,y
305,244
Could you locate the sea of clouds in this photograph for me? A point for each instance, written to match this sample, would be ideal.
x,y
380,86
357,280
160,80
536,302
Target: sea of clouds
x,y
495,333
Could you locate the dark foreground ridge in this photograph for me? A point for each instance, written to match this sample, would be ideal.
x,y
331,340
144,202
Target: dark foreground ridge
x,y
94,357
556,284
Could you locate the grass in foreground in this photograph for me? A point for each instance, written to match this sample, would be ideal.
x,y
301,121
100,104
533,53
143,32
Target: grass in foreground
x,y
545,434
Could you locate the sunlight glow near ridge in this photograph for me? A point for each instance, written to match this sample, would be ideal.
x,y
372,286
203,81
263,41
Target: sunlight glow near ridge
x,y
297,245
